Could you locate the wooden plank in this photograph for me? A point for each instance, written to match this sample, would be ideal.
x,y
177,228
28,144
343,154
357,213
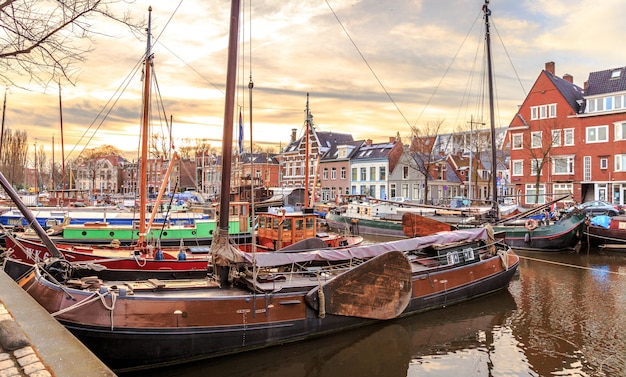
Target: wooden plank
x,y
378,289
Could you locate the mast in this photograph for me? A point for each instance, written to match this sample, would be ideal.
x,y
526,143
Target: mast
x,y
494,187
252,209
4,108
143,176
222,252
62,147
307,197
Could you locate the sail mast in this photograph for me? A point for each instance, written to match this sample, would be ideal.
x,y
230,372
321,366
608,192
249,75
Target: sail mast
x,y
307,197
223,253
143,176
494,187
62,147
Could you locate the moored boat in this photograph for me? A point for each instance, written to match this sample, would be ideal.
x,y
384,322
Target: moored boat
x,y
127,323
607,232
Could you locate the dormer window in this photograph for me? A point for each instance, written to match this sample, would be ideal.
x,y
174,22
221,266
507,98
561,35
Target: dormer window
x,y
616,74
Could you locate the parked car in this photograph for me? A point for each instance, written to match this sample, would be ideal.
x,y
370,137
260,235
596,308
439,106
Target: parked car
x,y
600,207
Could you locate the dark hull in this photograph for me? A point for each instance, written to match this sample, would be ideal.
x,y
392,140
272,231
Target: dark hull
x,y
228,323
606,238
562,235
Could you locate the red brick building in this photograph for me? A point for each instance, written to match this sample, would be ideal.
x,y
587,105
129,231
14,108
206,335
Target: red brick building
x,y
566,139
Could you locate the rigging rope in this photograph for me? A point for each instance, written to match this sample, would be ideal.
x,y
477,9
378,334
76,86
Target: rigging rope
x,y
571,265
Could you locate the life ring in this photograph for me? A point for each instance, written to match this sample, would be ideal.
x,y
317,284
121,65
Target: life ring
x,y
531,224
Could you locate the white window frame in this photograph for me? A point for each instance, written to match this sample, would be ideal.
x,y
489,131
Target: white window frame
x,y
552,110
534,167
568,137
530,198
587,168
619,130
543,111
604,163
556,138
517,164
517,141
595,139
535,137
566,162
620,162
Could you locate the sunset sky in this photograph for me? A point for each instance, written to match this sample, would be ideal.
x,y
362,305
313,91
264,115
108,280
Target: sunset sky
x,y
373,68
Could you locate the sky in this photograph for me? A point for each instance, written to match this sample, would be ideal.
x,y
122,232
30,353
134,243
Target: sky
x,y
371,68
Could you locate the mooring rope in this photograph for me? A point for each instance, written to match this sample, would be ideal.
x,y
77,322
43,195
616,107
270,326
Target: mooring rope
x,y
571,265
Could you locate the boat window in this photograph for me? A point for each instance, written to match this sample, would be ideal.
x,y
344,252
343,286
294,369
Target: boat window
x,y
310,223
287,224
468,253
453,257
299,224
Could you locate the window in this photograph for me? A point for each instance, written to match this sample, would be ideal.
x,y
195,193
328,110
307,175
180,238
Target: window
x,y
568,136
392,190
531,192
620,162
543,111
535,139
382,173
325,174
552,110
563,165
405,172
597,134
518,167
517,141
333,173
363,174
372,173
534,166
556,138
343,172
562,189
620,130
604,163
405,190
587,168
354,176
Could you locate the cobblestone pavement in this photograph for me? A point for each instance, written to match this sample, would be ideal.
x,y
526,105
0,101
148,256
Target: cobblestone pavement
x,y
17,356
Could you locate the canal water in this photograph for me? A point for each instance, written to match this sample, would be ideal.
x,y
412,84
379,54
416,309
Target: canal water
x,y
564,314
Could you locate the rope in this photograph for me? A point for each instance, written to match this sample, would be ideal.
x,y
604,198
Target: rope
x,y
93,298
571,265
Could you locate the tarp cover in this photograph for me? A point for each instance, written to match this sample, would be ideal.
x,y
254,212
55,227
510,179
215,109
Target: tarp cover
x,y
367,251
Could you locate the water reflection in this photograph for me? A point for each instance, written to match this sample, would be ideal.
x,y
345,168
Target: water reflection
x,y
563,315
571,312
392,349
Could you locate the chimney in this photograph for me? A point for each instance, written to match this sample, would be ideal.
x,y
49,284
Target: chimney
x,y
550,67
368,142
569,78
293,134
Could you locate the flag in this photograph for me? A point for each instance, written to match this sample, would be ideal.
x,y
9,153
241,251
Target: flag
x,y
240,133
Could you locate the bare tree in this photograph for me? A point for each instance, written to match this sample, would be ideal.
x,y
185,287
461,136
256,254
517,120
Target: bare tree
x,y
42,40
422,149
14,156
538,146
90,157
